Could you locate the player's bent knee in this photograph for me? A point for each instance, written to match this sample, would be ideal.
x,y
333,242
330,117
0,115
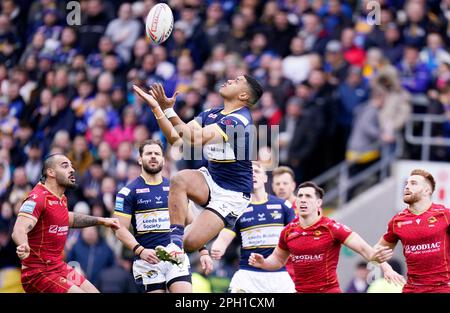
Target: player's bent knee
x,y
191,244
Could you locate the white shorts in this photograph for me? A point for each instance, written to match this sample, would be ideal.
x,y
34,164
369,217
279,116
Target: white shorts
x,y
161,275
245,281
228,204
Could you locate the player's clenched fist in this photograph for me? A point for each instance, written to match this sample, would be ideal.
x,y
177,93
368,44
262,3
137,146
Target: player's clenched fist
x,y
23,251
112,222
256,260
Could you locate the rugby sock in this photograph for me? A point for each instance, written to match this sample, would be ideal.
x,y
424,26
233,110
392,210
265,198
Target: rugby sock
x,y
176,234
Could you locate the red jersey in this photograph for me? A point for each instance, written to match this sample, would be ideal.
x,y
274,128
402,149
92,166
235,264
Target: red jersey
x,y
289,266
48,237
425,239
315,253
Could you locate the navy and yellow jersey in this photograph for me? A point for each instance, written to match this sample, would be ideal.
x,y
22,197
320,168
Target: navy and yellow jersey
x,y
147,206
259,228
229,162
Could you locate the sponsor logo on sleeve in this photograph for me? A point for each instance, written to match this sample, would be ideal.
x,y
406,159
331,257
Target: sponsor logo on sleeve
x,y
166,188
119,204
125,191
28,207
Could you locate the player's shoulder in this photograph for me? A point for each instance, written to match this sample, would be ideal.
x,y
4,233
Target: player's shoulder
x,y
131,187
405,213
165,181
332,223
439,208
242,115
38,193
272,199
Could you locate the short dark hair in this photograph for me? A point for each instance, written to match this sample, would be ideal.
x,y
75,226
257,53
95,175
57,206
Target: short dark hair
x,y
255,89
148,143
48,163
319,191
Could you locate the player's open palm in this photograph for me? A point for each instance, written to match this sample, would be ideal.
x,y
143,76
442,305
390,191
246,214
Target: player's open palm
x,y
112,223
146,96
256,260
149,255
23,251
157,92
382,254
393,277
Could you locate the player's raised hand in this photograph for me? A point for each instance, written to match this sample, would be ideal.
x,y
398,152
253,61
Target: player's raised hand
x,y
382,254
111,222
256,260
207,264
149,255
393,277
153,104
157,92
23,251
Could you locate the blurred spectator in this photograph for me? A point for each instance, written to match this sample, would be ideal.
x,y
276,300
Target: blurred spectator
x,y
392,45
9,42
434,53
33,166
281,32
117,278
124,131
359,284
414,74
215,27
92,253
123,31
238,38
380,285
336,66
296,65
93,26
353,54
91,181
80,155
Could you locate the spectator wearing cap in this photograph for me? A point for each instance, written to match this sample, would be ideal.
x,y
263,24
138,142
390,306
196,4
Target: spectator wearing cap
x,y
9,42
414,75
34,163
336,66
124,32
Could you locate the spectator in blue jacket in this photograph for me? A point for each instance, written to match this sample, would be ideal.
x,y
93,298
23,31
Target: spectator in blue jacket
x,y
414,74
92,253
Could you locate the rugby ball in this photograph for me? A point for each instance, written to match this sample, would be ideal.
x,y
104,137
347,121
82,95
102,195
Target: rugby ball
x,y
159,23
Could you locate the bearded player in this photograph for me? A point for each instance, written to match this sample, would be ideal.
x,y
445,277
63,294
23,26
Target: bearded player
x,y
423,229
314,242
41,229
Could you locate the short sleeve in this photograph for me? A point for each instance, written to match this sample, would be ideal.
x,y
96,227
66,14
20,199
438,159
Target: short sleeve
x,y
340,231
32,207
282,241
124,203
389,235
199,119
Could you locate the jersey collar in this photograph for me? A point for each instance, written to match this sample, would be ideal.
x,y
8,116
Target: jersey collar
x,y
150,183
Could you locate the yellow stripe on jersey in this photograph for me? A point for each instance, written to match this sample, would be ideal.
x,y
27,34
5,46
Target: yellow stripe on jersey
x,y
153,231
262,225
27,215
225,136
230,231
222,161
255,247
151,210
122,214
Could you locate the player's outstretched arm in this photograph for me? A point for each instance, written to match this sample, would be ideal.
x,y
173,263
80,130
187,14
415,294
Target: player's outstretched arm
x,y
176,129
124,235
378,254
273,262
77,220
20,232
221,244
392,276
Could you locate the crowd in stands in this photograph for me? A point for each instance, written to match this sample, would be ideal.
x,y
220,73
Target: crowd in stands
x,y
337,79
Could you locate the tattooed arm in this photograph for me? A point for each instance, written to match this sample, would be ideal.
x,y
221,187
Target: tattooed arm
x,y
77,220
22,227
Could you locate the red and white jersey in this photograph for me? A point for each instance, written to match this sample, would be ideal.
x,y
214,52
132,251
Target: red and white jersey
x,y
48,237
426,245
315,253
